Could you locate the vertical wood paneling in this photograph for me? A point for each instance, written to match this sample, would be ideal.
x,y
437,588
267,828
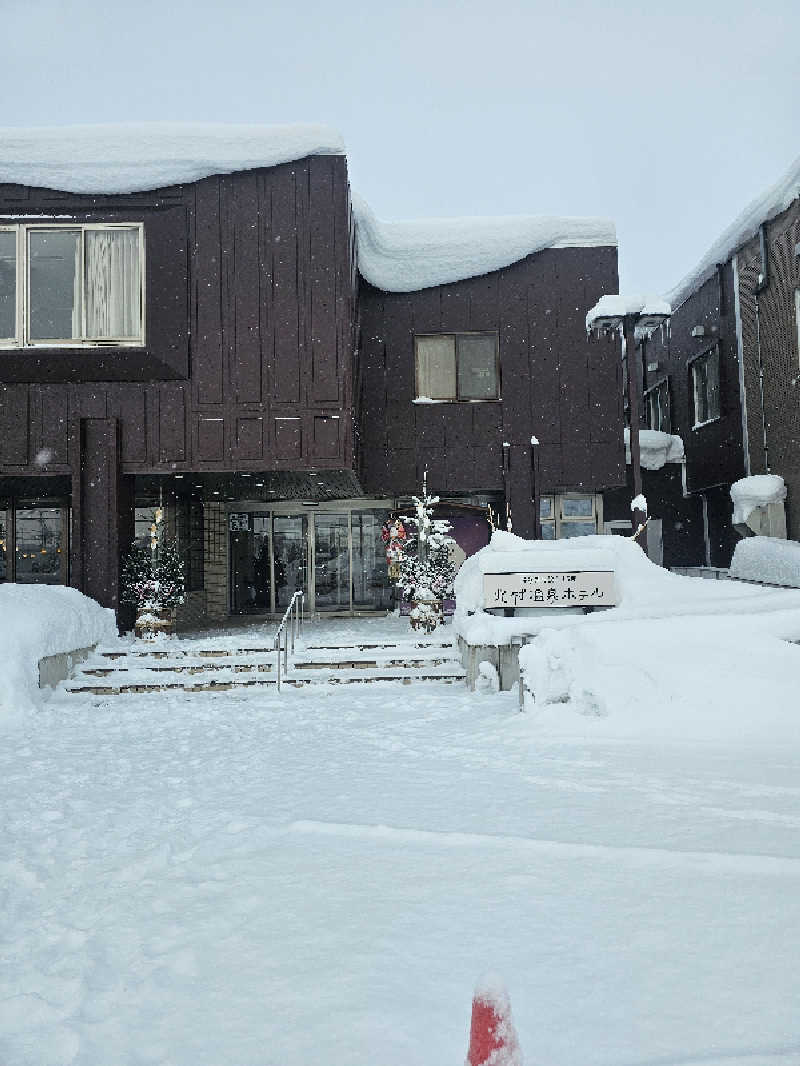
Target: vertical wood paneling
x,y
172,424
324,352
285,309
52,435
128,404
14,425
207,370
246,291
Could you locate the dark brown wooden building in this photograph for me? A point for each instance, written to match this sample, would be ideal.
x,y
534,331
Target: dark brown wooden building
x,y
725,377
221,345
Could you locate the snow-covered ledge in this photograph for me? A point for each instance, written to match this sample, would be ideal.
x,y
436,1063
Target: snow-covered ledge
x,y
758,505
53,629
656,449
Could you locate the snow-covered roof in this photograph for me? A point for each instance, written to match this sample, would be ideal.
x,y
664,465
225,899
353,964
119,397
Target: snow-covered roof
x,y
765,207
136,156
394,256
404,256
617,306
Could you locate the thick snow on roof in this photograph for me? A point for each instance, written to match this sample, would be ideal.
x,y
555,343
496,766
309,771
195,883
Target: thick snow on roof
x,y
133,157
771,203
404,256
617,306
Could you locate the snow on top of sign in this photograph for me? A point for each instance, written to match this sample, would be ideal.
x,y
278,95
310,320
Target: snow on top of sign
x,y
758,490
619,305
655,448
405,256
136,156
763,208
768,559
644,590
639,503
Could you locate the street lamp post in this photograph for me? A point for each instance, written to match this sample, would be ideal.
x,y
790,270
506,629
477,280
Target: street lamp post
x,y
630,315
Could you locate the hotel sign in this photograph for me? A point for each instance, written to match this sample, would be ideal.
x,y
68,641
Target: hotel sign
x,y
577,588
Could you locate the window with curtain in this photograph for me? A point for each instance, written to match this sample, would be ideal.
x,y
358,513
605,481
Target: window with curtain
x,y
658,407
457,366
76,284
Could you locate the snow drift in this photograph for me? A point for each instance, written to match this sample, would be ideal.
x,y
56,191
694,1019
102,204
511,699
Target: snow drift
x,y
43,620
768,559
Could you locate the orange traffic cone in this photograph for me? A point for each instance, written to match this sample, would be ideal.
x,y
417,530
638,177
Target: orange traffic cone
x,y
492,1037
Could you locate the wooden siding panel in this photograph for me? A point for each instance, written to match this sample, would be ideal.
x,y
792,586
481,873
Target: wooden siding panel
x,y
323,349
172,424
128,404
207,368
210,439
285,297
14,425
249,438
54,418
287,436
326,436
246,340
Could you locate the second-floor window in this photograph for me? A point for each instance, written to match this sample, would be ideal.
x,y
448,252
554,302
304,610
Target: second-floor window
x,y
71,285
705,387
658,407
457,366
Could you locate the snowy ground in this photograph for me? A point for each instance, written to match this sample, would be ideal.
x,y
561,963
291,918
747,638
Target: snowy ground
x,y
320,878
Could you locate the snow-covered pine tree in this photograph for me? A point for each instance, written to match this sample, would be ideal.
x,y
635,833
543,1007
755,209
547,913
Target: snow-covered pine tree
x,y
427,577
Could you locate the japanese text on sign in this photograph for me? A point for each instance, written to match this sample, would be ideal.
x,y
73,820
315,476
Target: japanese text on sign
x,y
580,588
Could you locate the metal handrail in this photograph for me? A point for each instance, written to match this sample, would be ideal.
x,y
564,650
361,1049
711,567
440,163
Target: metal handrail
x,y
295,617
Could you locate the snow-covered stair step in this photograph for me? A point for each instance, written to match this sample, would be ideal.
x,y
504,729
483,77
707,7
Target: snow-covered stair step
x,y
102,667
375,664
142,651
126,682
397,644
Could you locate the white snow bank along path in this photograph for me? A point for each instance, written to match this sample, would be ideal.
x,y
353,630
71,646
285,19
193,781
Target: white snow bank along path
x,y
405,256
42,620
758,490
136,156
765,207
644,590
733,681
777,562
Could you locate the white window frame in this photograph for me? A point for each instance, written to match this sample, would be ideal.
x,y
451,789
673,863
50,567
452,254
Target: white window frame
x,y
558,519
22,338
703,358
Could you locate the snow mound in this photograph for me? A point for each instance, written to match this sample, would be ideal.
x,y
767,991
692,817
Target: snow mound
x,y
768,559
656,448
137,156
46,620
405,256
765,207
758,490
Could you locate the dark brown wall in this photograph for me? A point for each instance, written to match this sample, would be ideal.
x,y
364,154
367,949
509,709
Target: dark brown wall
x,y
779,354
249,331
714,453
555,384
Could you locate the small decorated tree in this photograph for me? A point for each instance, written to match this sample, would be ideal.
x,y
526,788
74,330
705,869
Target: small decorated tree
x,y
153,581
426,578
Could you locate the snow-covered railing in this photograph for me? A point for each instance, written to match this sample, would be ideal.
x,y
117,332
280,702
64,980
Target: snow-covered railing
x,y
288,631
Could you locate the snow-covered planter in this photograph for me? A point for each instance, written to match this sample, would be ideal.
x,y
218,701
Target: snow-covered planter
x,y
758,505
767,559
50,622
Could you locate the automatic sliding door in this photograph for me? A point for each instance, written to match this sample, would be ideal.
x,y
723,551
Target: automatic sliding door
x,y
331,562
290,549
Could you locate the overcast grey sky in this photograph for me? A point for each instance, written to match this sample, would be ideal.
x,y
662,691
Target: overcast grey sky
x,y
666,116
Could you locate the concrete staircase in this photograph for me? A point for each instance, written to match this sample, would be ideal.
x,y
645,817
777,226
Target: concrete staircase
x,y
215,666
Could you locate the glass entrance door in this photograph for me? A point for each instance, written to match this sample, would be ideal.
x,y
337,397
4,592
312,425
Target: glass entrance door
x,y
290,549
251,569
331,562
40,546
